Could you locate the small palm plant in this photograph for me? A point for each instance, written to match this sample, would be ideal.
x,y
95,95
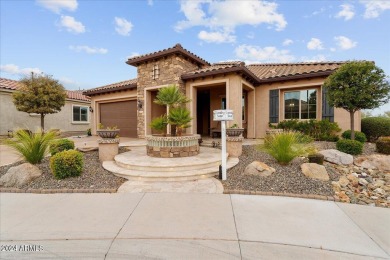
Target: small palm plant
x,y
285,146
160,124
33,147
180,117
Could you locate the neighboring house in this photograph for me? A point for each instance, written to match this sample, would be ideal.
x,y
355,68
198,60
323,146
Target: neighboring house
x,y
258,94
73,117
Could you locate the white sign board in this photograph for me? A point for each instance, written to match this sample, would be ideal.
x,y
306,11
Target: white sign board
x,y
223,115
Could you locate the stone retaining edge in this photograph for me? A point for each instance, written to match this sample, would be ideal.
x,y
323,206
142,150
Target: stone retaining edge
x,y
293,195
49,191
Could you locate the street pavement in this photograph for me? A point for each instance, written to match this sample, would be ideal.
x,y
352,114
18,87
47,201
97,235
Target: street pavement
x,y
188,226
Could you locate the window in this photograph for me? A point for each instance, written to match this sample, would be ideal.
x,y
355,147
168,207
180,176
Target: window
x,y
155,72
80,114
223,103
300,104
243,107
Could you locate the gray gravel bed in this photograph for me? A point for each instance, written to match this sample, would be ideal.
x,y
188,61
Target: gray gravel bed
x,y
94,176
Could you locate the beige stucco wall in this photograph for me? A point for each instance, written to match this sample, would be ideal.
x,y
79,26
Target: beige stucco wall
x,y
11,118
262,104
106,98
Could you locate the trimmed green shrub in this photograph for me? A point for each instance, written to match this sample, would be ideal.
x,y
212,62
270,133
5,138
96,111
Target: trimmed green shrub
x,y
320,130
32,146
359,136
349,146
374,127
284,147
383,145
67,164
61,145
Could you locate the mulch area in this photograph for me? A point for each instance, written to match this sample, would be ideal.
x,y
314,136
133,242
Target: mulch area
x,y
286,179
93,178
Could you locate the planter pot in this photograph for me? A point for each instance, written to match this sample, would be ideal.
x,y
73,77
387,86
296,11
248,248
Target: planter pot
x,y
234,131
108,134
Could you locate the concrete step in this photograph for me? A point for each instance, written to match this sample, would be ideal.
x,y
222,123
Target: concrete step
x,y
137,160
173,175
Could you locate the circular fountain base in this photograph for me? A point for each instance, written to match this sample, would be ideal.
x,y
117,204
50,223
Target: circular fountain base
x,y
172,146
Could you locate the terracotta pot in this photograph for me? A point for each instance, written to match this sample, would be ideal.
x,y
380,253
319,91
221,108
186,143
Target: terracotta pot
x,y
108,134
234,131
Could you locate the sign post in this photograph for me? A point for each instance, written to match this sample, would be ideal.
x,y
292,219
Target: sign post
x,y
223,116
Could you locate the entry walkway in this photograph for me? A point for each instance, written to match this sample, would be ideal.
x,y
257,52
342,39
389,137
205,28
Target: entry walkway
x,y
190,226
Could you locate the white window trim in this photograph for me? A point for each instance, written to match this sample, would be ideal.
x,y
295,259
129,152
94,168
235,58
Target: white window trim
x,y
80,122
300,119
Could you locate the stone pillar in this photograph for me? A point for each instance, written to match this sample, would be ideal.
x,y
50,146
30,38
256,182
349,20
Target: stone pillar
x,y
108,148
234,146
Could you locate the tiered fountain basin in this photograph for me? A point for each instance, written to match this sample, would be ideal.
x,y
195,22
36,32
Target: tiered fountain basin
x,y
172,146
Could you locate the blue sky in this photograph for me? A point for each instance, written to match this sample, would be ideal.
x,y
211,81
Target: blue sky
x,y
85,44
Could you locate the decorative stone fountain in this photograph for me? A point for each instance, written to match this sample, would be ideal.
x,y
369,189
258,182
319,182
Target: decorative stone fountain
x,y
172,146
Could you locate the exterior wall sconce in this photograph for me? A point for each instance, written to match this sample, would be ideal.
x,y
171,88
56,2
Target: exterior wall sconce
x,y
139,104
90,109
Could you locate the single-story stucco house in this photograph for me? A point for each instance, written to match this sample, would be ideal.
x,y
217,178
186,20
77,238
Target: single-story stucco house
x,y
73,117
258,94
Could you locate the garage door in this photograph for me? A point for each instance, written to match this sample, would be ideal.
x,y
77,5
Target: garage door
x,y
121,114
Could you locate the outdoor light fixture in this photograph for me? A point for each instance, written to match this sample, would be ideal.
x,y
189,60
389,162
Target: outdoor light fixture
x,y
139,103
90,109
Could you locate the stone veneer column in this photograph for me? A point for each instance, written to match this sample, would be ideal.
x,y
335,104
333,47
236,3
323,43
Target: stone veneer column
x,y
171,68
234,146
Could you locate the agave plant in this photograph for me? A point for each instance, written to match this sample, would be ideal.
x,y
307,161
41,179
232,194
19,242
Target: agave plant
x,y
160,124
180,116
33,147
284,147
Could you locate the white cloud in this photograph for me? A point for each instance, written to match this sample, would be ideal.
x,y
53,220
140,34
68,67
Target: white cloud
x,y
323,9
347,12
71,25
375,8
315,44
216,37
317,58
123,27
222,17
57,5
150,2
132,55
250,35
253,54
345,43
287,42
15,70
87,49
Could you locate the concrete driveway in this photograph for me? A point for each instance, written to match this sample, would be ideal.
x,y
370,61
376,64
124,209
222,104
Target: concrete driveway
x,y
189,226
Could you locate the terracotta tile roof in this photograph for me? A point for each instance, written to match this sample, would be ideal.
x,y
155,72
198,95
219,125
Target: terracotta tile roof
x,y
123,85
15,85
158,54
284,71
222,67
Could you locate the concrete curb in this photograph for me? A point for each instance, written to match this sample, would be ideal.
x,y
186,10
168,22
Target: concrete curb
x,y
267,193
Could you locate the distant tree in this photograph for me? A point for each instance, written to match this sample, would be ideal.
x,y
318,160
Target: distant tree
x,y
357,85
40,94
366,114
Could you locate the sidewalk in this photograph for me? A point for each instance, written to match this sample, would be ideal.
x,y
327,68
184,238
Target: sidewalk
x,y
190,226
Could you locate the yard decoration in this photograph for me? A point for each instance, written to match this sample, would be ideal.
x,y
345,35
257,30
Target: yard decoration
x,y
41,95
110,132
357,85
234,130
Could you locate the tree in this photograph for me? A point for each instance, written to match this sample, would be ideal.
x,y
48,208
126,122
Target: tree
x,y
357,85
41,95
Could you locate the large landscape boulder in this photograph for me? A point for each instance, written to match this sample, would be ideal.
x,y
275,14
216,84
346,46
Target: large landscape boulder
x,y
337,157
315,171
374,161
259,168
20,175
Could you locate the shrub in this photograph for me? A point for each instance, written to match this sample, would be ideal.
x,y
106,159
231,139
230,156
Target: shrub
x,y
349,146
383,145
322,130
160,124
61,145
67,164
284,147
32,146
359,136
374,127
